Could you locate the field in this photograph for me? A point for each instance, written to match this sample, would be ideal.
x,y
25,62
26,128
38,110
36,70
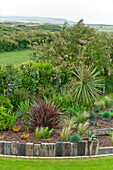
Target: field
x,y
103,163
15,57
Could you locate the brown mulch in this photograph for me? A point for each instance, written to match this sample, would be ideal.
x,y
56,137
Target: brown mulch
x,y
55,136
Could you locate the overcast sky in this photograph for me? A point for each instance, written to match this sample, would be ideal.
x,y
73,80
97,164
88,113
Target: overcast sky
x,y
92,11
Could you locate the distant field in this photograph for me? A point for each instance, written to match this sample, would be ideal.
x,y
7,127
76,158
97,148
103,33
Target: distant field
x,y
15,57
104,28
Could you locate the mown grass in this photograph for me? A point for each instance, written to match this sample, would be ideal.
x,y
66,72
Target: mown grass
x,y
15,57
102,163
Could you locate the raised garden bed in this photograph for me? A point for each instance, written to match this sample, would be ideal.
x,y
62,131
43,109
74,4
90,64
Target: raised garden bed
x,y
83,148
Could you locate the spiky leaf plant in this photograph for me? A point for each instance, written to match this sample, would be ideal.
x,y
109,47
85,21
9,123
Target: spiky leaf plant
x,y
69,122
65,133
44,114
82,128
87,86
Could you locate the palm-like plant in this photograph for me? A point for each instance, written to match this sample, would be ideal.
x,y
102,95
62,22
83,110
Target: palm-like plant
x,y
44,114
87,86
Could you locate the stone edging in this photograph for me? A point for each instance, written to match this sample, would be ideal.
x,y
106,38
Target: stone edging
x,y
59,149
100,132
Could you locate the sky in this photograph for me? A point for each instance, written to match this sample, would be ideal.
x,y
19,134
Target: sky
x,y
91,11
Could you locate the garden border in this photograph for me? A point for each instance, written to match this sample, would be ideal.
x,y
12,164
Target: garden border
x,y
58,149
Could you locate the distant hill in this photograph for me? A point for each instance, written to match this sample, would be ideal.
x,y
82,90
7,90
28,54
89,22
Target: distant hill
x,y
40,20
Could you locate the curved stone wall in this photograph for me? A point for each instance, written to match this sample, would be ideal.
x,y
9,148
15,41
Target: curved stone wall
x,y
48,149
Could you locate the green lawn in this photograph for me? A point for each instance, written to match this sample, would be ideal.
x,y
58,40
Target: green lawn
x,y
101,163
15,57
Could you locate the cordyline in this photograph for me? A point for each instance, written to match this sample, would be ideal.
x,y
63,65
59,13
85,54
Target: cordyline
x,y
45,115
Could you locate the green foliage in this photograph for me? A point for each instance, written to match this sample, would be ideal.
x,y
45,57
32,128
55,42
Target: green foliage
x,y
30,76
82,128
47,132
24,108
106,116
6,120
109,111
66,131
108,101
92,116
75,110
19,95
6,103
91,123
87,86
39,132
22,37
10,79
46,73
75,138
91,136
69,122
82,117
100,105
43,132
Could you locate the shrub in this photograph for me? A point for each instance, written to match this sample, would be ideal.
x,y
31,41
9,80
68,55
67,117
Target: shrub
x,y
19,95
96,109
92,116
75,110
6,120
91,123
75,138
66,131
46,73
6,103
44,114
106,116
29,76
10,79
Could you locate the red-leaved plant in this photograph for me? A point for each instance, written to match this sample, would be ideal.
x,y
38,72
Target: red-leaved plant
x,y
44,114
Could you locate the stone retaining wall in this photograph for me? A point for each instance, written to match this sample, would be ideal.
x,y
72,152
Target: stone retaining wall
x,y
101,132
48,149
105,150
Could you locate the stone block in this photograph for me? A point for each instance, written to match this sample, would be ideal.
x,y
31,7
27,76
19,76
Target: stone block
x,y
1,147
82,148
101,132
7,148
44,149
95,146
29,149
66,149
51,149
22,149
59,149
36,150
14,148
105,150
73,149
